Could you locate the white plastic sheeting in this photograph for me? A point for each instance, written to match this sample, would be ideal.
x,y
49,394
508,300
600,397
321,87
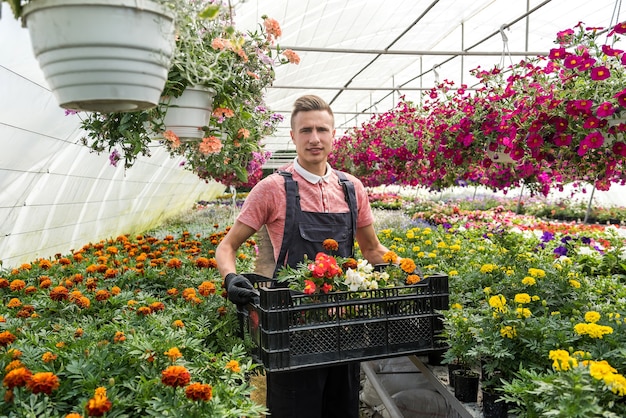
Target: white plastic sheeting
x,y
54,194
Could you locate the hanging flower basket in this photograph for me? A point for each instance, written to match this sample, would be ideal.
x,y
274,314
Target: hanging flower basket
x,y
188,114
102,55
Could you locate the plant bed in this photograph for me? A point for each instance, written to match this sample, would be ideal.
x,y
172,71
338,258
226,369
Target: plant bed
x,y
294,331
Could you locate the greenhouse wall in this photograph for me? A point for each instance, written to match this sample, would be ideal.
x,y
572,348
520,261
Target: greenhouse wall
x,y
56,195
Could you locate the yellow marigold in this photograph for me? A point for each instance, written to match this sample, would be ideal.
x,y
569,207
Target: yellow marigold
x,y
452,273
537,273
233,365
175,376
456,306
562,360
592,317
574,283
508,332
412,279
529,281
600,369
48,357
522,298
593,330
488,268
407,265
99,404
498,302
173,354
390,257
523,312
617,383
43,382
199,392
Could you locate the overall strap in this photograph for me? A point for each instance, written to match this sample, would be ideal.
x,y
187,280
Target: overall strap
x,y
293,204
348,191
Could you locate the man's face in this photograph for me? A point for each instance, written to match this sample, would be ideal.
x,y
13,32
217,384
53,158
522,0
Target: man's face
x,y
313,133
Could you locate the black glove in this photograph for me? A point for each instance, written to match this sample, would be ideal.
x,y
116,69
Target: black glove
x,y
240,290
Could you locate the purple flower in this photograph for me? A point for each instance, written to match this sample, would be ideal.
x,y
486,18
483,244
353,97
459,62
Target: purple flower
x,y
560,251
585,240
547,236
114,157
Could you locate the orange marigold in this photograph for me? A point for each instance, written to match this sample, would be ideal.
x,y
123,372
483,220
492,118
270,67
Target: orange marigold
x,y
207,288
6,338
48,357
83,302
390,257
59,293
413,279
78,333
350,263
102,295
178,324
17,285
17,377
233,365
173,354
14,364
174,263
43,382
175,376
14,303
330,245
202,262
73,415
144,310
99,404
110,273
119,337
172,292
45,264
407,265
157,306
4,283
199,392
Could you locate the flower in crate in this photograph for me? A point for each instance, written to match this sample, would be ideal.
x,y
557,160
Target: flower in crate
x,y
328,273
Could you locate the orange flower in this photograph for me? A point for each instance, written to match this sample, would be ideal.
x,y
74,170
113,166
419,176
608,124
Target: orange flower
x,y
45,264
173,354
48,357
272,28
233,365
110,273
202,262
78,333
73,415
412,279
64,261
17,377
83,302
4,283
350,263
223,112
115,290
407,265
14,303
59,293
172,292
174,263
178,324
175,376
199,392
291,56
243,133
207,288
17,285
99,404
119,337
43,382
210,145
330,245
390,257
102,295
144,310
6,338
157,306
14,364
189,293
173,138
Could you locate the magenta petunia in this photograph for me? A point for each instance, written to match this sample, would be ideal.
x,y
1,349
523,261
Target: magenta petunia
x,y
619,148
605,109
600,73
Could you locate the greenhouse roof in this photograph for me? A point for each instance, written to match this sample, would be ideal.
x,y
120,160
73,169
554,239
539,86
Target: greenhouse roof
x,y
361,56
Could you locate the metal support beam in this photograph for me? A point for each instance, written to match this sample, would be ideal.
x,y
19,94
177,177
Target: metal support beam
x,y
299,87
399,52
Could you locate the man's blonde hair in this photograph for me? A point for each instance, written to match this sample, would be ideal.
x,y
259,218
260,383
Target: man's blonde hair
x,y
309,103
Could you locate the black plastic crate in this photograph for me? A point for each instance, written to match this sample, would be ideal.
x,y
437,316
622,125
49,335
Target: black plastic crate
x,y
294,331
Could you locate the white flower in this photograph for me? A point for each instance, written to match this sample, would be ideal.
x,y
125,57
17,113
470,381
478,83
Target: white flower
x,y
354,280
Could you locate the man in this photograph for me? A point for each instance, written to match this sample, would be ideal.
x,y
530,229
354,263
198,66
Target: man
x,y
301,206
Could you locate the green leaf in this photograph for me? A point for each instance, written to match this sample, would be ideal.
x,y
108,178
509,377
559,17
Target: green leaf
x,y
211,12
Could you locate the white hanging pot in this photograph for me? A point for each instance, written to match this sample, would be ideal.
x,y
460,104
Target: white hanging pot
x,y
188,113
102,55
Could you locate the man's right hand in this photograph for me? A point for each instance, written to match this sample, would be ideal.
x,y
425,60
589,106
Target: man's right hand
x,y
240,290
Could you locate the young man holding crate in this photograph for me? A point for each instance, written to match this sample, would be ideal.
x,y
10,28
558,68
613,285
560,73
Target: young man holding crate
x,y
302,205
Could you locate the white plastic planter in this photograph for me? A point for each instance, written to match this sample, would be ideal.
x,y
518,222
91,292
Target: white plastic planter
x,y
102,55
188,113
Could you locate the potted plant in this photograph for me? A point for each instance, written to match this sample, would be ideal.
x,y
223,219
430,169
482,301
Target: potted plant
x,y
232,66
101,55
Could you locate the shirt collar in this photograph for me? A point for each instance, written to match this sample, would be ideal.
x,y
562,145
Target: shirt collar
x,y
310,177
